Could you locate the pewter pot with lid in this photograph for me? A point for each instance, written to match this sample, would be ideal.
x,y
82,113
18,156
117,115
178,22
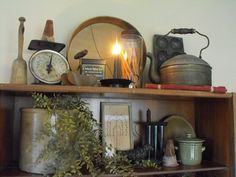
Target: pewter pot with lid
x,y
185,69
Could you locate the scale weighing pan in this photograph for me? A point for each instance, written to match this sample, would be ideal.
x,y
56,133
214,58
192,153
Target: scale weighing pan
x,y
42,45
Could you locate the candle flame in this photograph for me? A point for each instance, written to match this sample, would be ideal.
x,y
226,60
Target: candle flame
x,y
116,48
125,55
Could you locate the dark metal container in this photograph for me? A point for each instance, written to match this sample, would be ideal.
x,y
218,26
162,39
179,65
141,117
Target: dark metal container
x,y
185,70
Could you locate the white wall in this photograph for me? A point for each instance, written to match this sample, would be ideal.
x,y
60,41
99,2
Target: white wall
x,y
216,18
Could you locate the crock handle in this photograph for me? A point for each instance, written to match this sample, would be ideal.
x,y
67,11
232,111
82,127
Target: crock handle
x,y
203,148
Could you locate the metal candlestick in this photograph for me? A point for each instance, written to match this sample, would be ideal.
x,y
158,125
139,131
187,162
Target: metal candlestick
x,y
155,137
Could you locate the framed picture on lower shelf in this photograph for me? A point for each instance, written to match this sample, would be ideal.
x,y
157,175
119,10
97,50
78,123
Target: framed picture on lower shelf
x,y
116,125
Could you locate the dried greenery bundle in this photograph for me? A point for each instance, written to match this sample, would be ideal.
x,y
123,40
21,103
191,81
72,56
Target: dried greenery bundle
x,y
74,139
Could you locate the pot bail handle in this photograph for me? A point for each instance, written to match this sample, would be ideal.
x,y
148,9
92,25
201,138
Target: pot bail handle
x,y
183,31
190,31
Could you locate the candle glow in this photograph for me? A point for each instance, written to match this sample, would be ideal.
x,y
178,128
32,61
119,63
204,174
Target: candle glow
x,y
125,55
116,51
116,48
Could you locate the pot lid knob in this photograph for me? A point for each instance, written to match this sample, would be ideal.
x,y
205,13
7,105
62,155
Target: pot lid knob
x,y
189,135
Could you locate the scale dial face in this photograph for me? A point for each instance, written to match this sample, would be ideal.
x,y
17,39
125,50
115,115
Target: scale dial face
x,y
47,66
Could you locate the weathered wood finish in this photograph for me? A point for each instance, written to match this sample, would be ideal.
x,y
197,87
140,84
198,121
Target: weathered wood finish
x,y
211,114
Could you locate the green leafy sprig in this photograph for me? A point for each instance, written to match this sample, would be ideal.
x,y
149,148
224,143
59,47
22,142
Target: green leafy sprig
x,y
74,141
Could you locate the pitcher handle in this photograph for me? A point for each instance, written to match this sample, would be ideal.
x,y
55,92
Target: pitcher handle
x,y
153,72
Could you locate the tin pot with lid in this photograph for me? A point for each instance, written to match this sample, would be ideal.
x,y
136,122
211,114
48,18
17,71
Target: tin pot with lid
x,y
190,150
185,69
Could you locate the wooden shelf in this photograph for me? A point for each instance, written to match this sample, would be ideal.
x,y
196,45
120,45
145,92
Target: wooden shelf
x,y
205,166
210,114
89,91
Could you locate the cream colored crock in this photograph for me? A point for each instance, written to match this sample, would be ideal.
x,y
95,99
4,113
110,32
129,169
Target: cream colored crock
x,y
32,121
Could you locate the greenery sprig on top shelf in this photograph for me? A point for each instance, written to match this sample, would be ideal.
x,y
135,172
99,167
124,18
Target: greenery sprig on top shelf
x,y
75,145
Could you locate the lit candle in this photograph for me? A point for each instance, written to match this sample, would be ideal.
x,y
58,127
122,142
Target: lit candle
x,y
116,51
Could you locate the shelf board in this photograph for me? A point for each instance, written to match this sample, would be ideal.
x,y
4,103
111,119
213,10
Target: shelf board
x,y
205,166
89,91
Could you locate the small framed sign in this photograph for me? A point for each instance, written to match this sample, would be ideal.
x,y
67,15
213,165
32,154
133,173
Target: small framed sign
x,y
93,67
116,125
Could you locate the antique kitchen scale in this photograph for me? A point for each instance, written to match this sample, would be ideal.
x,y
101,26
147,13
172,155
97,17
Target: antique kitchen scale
x,y
47,64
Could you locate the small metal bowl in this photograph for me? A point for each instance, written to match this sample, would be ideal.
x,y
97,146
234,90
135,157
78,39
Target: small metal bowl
x,y
75,78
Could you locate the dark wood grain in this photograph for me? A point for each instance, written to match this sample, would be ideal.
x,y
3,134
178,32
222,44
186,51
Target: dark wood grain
x,y
214,123
6,114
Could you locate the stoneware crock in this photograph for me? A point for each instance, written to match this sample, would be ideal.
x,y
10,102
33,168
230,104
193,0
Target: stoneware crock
x,y
32,122
190,150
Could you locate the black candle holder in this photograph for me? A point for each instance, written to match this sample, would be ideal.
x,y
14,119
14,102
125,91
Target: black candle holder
x,y
115,82
155,138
